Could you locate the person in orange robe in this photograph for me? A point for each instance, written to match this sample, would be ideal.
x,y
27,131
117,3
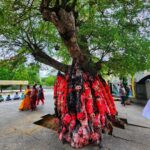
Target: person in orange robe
x,y
25,104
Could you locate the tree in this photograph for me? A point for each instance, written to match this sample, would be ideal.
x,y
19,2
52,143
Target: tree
x,y
5,74
92,33
22,72
49,81
95,33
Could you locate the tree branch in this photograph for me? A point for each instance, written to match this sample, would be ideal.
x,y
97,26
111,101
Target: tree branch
x,y
42,57
64,20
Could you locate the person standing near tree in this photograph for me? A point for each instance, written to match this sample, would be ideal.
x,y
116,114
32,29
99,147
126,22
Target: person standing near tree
x,y
127,89
34,93
25,104
122,93
40,95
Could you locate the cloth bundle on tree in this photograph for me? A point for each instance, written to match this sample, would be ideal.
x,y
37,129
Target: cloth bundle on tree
x,y
84,107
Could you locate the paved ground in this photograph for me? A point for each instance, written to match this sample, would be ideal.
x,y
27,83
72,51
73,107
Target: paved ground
x,y
17,131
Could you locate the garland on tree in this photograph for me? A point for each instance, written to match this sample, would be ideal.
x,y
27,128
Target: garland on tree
x,y
84,106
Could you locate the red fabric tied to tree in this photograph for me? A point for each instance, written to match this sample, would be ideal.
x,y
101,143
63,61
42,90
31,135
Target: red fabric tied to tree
x,y
84,107
111,99
88,99
60,93
66,119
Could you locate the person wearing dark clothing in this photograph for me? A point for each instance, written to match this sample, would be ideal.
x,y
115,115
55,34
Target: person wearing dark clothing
x,y
127,91
127,100
8,98
122,93
40,95
34,93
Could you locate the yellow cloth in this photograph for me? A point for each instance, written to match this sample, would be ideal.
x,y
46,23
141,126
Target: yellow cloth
x,y
25,104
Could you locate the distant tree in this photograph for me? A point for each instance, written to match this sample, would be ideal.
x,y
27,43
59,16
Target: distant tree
x,y
5,73
22,72
49,81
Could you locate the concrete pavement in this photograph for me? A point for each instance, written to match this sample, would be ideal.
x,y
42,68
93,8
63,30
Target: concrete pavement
x,y
17,131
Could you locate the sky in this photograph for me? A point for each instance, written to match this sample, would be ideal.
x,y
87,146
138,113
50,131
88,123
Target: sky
x,y
46,71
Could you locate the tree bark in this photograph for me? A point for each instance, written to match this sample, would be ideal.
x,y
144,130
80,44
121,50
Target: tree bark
x,y
42,57
64,21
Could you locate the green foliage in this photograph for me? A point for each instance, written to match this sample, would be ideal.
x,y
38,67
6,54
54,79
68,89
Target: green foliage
x,y
118,36
49,81
22,72
115,32
21,24
5,73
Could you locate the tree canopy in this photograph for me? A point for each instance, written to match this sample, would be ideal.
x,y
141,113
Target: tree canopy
x,y
110,35
22,72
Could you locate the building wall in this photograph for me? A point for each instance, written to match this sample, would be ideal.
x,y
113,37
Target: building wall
x,y
141,91
148,89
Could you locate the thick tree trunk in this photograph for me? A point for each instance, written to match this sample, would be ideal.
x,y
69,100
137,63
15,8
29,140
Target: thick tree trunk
x,y
83,103
64,21
84,108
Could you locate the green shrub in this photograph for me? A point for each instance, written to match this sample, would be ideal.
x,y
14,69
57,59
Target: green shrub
x,y
49,81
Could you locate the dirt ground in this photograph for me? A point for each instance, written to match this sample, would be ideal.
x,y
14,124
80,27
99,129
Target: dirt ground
x,y
17,131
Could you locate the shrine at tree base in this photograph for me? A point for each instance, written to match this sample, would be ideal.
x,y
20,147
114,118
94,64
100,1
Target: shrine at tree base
x,y
84,107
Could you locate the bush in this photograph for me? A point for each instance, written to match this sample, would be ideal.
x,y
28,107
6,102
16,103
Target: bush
x,y
49,81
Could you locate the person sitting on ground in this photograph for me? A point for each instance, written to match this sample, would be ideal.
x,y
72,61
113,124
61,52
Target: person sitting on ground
x,y
1,98
127,100
16,96
8,98
22,96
